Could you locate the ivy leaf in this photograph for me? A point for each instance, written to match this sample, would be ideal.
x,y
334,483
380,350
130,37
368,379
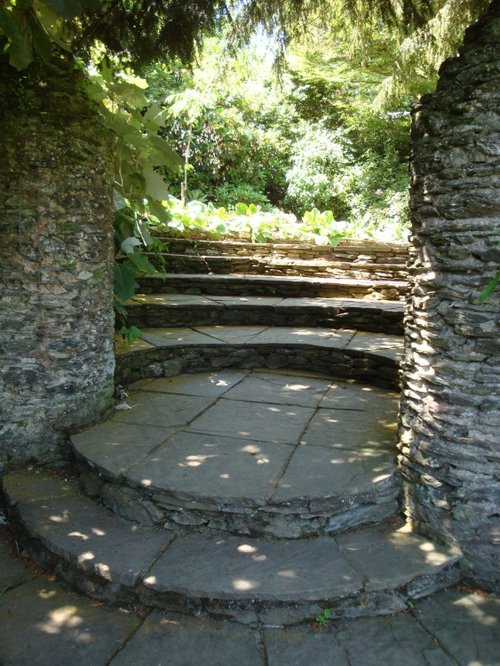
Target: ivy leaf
x,y
125,284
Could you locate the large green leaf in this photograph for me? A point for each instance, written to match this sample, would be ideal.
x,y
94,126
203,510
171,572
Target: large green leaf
x,y
40,40
21,52
125,284
9,26
142,263
156,187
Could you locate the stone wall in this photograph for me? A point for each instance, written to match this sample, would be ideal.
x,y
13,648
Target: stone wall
x,y
56,317
372,368
449,438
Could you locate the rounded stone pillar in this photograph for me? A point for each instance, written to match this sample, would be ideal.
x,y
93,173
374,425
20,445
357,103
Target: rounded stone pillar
x,y
450,413
56,311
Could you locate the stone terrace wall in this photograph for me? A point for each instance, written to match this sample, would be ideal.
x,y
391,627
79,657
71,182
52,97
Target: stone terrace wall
x,y
450,429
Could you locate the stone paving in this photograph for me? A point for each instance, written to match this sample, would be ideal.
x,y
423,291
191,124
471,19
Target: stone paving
x,y
259,439
42,623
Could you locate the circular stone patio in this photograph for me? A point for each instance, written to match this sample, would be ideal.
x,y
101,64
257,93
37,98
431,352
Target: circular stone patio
x,y
264,452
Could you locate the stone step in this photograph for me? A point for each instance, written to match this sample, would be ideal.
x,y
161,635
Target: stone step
x,y
248,452
366,357
252,265
270,285
157,310
354,251
369,572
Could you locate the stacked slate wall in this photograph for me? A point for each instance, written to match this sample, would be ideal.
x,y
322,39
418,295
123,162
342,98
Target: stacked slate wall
x,y
56,312
450,426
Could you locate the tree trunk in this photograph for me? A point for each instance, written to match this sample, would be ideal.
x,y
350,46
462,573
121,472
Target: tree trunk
x,y
56,317
450,412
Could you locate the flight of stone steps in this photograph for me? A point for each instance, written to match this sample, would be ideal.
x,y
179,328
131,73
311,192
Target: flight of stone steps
x,y
250,473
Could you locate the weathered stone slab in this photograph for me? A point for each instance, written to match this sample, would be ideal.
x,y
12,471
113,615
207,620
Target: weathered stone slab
x,y
93,539
171,299
46,625
280,389
263,570
311,336
390,346
211,467
201,384
466,625
33,486
391,641
165,337
346,429
318,472
360,396
232,334
393,558
236,301
173,640
160,410
12,570
114,446
253,420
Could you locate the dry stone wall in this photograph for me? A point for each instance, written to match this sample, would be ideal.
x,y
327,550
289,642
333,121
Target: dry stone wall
x,y
450,442
56,313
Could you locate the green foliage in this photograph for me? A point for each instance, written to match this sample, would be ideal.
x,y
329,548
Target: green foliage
x,y
490,288
130,334
250,221
324,617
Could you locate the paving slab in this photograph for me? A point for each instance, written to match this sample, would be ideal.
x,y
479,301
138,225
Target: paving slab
x,y
280,389
113,446
173,640
466,624
175,337
392,641
211,384
324,337
157,409
171,299
236,301
35,485
12,570
212,467
390,346
392,558
253,420
79,530
359,396
236,567
346,429
232,335
45,625
316,472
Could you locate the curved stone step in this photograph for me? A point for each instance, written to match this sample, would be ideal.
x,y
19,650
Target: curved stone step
x,y
351,250
253,265
370,572
157,310
270,285
248,452
366,357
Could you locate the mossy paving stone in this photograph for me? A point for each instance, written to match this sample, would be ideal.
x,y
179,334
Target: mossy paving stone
x,y
173,640
43,624
212,468
228,567
387,641
201,384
